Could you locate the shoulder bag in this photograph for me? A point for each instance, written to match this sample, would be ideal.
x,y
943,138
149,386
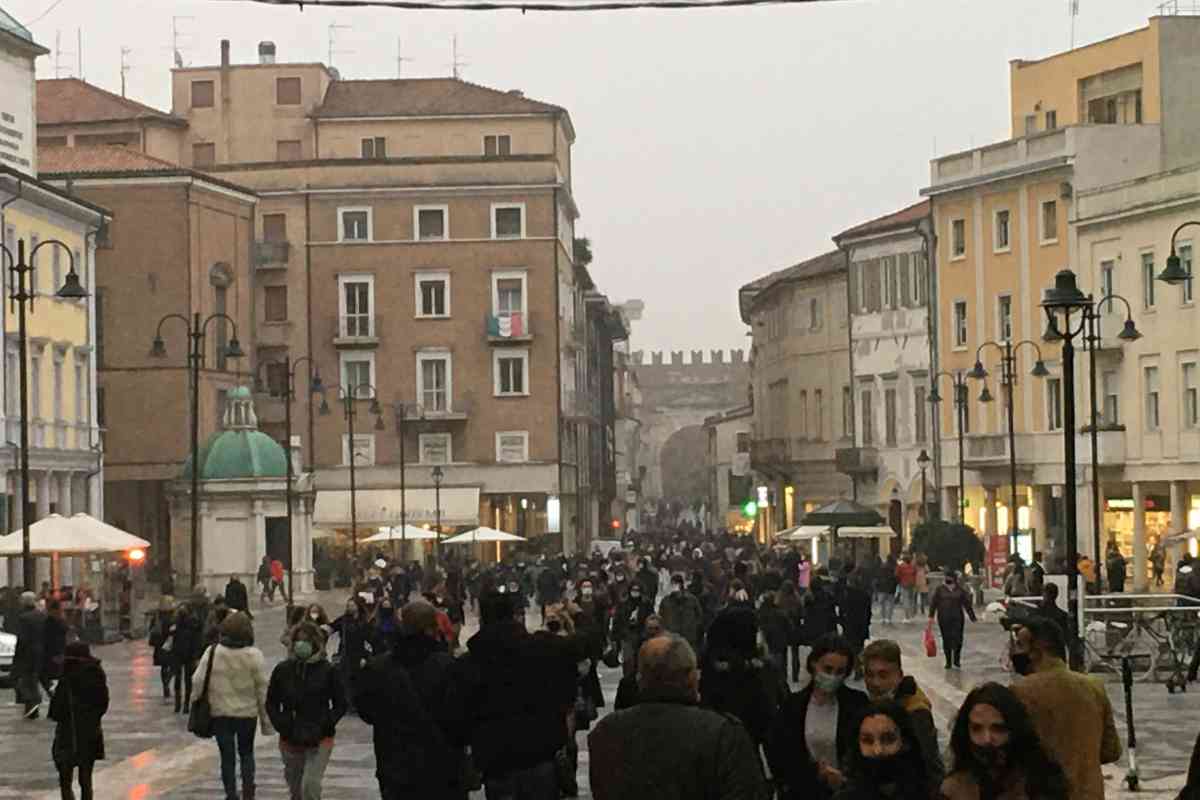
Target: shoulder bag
x,y
200,715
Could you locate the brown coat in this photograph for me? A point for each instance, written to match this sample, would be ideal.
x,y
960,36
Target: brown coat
x,y
1080,740
963,786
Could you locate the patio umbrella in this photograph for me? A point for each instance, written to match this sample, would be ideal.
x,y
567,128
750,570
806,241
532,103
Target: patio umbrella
x,y
483,534
77,535
411,533
843,513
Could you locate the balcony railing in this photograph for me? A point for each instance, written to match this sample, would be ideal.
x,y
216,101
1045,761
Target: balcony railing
x,y
356,330
271,255
857,460
508,327
986,447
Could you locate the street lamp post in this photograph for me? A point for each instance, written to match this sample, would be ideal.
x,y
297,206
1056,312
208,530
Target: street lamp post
x,y
197,330
1009,377
437,505
348,395
22,294
960,405
923,462
289,394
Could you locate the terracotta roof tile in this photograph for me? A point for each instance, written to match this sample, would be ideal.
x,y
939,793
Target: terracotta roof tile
x,y
423,97
69,100
98,158
903,218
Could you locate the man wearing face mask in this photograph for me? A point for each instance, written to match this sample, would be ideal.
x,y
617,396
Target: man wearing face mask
x,y
950,604
681,613
591,630
628,623
884,676
1081,739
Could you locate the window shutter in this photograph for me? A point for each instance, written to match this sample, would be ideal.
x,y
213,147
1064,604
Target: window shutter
x,y
905,288
852,279
875,290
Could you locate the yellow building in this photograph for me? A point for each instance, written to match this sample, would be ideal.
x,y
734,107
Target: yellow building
x,y
1097,115
64,434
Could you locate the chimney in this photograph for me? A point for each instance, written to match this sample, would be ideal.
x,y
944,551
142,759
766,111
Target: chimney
x,y
224,52
266,52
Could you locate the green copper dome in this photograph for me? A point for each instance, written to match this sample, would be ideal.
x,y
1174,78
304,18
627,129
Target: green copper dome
x,y
241,450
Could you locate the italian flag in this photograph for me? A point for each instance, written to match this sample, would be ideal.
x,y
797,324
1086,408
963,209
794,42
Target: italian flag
x,y
509,326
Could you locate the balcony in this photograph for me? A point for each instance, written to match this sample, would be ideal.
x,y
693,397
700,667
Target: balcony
x,y
985,450
857,460
274,334
769,451
353,331
508,328
271,255
1110,445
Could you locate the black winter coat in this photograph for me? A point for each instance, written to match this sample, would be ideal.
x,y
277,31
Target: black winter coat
x,y
189,637
31,643
856,615
749,689
80,700
787,748
305,701
353,635
820,614
235,595
55,646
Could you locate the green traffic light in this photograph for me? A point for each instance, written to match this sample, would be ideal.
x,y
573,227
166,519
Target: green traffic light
x,y
750,509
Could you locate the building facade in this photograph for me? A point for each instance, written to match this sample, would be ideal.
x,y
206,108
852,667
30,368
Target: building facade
x,y
801,387
731,482
890,361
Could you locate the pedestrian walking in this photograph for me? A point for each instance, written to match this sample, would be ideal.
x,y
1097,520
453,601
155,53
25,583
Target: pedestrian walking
x,y
776,630
666,746
1036,574
950,605
1115,568
354,631
1158,563
305,702
736,679
997,753
80,701
921,583
159,639
855,611
791,606
884,676
187,643
277,579
885,584
1081,740
237,694
628,625
681,613
886,758
1015,584
814,731
265,585
29,655
235,596
906,579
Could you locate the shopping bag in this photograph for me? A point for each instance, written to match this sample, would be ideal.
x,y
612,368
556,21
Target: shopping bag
x,y
930,641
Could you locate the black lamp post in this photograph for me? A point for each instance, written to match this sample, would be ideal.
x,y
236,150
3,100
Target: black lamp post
x,y
1009,378
1060,302
437,505
197,329
1174,274
923,460
348,395
288,394
22,294
960,407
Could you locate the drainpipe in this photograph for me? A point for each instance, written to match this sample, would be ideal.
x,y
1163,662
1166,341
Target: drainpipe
x,y
850,349
929,238
4,309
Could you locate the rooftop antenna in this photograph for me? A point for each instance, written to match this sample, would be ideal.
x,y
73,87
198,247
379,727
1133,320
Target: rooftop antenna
x,y
455,65
176,36
58,54
1073,11
125,51
333,29
400,58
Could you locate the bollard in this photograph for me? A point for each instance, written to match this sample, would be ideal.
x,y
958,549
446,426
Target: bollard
x,y
1131,777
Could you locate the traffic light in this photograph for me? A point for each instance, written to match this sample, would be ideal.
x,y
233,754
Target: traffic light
x,y
750,509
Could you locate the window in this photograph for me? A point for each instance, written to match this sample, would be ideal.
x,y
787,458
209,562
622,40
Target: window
x,y
498,145
81,383
920,425
202,94
35,386
803,414
99,327
1191,406
1051,120
374,147
435,448
868,426
364,449
508,294
56,269
512,447
357,303
433,381
1148,280
358,374
433,294
511,370
204,154
819,410
1049,221
1150,379
814,313
920,279
889,416
1111,412
964,402
221,305
1030,124
1054,404
1185,261
958,238
1004,318
275,304
287,150
847,412
274,227
430,223
1107,287
891,284
287,91
58,389
960,323
1000,231
277,378
354,225
743,441
508,220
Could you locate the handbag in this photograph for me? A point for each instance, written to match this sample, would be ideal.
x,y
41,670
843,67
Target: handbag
x,y
930,641
200,716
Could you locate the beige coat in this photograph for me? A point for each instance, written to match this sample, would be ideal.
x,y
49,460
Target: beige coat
x,y
238,686
962,786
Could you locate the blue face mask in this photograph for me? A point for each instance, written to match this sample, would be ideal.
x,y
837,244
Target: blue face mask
x,y
303,650
828,683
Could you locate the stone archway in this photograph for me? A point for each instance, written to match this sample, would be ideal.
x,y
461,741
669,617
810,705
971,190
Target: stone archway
x,y
685,467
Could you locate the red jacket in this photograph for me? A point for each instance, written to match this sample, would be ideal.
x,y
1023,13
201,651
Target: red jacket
x,y
906,574
277,571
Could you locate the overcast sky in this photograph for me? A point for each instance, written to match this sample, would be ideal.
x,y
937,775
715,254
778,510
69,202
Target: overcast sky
x,y
713,146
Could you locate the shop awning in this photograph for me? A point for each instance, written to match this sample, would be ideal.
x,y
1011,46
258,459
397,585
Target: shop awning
x,y
381,507
802,533
865,532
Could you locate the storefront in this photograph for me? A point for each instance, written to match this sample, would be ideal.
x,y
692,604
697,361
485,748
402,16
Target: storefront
x,y
1118,521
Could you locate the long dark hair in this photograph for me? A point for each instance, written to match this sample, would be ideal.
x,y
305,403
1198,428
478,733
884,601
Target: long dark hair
x,y
912,778
1044,777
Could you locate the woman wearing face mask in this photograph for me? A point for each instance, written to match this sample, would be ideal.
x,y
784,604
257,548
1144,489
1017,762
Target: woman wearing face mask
x,y
305,701
352,629
886,761
951,604
997,754
814,730
383,626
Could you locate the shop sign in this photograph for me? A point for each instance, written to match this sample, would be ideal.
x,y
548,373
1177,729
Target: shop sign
x,y
997,558
1153,502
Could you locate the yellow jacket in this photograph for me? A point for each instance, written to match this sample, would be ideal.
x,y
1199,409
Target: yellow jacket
x,y
1074,719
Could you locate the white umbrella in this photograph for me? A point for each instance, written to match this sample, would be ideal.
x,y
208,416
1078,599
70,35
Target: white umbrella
x,y
483,535
803,533
76,535
411,533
